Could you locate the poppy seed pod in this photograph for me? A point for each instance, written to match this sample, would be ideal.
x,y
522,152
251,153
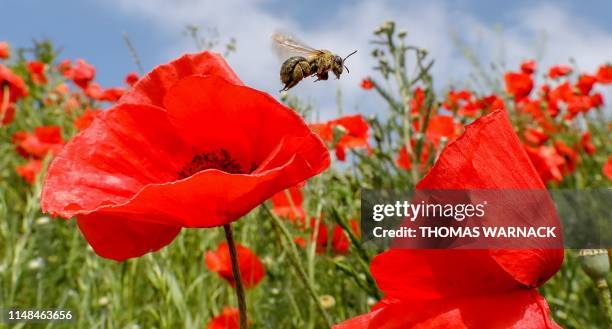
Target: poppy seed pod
x,y
595,263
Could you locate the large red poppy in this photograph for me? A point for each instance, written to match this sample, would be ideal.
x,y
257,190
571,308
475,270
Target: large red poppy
x,y
212,153
252,270
467,288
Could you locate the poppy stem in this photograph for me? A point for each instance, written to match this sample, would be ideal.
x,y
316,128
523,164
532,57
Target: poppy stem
x,y
242,307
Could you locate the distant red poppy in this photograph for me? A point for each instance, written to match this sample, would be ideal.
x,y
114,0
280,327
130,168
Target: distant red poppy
x,y
353,131
456,98
44,140
112,94
37,72
569,155
548,162
16,86
252,270
290,209
29,170
585,83
518,85
81,73
491,103
404,160
211,154
85,119
451,288
604,74
5,50
228,319
7,114
535,136
607,168
63,66
322,234
417,101
596,100
528,66
131,78
558,71
340,239
587,144
366,84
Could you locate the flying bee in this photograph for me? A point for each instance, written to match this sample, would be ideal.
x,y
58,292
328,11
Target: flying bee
x,y
313,62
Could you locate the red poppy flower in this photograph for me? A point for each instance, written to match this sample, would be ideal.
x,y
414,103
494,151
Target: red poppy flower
x,y
604,74
16,87
557,71
131,78
7,113
491,103
112,94
94,91
548,162
535,136
418,100
252,270
63,66
44,140
596,100
455,98
290,209
441,126
228,319
367,84
322,234
5,50
404,160
451,288
85,119
354,132
29,170
81,73
528,66
587,143
518,85
569,155
585,83
37,72
340,239
214,152
607,168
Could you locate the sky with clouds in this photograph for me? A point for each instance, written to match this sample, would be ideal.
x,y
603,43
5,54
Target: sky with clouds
x,y
504,32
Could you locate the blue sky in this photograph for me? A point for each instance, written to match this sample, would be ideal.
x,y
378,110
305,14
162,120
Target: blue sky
x,y
92,29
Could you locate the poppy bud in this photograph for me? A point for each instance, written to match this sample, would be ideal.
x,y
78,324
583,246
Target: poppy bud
x,y
595,263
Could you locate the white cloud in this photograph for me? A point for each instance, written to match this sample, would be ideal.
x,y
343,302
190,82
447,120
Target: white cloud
x,y
428,24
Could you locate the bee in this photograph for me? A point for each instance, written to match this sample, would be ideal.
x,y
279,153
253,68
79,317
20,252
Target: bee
x,y
314,62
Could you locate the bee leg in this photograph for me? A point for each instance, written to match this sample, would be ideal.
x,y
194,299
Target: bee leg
x,y
322,76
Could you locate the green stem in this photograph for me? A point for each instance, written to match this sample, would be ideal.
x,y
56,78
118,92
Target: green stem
x,y
606,298
287,241
242,307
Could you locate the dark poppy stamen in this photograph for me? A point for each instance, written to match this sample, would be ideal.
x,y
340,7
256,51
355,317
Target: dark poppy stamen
x,y
219,159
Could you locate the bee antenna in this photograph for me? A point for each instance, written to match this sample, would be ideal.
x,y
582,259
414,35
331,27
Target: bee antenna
x,y
347,70
349,55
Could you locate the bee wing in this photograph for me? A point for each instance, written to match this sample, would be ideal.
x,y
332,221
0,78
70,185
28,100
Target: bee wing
x,y
285,44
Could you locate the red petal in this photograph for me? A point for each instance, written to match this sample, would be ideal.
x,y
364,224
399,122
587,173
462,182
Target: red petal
x,y
122,236
124,149
516,310
489,155
152,87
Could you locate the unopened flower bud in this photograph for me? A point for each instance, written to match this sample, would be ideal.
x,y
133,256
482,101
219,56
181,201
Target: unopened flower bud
x,y
327,301
595,263
402,34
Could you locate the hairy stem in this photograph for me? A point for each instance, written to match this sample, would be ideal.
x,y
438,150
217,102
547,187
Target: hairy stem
x,y
242,307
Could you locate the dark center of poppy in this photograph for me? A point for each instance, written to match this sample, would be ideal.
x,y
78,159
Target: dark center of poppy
x,y
219,159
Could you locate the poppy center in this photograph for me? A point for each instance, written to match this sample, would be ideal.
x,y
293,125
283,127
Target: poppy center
x,y
219,159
